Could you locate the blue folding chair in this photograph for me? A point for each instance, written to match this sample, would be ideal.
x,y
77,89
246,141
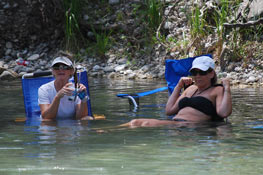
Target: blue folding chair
x,y
31,83
174,70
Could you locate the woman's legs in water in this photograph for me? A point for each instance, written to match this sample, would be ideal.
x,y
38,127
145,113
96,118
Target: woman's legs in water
x,y
148,123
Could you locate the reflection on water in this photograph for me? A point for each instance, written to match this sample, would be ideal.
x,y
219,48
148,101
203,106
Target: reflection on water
x,y
100,147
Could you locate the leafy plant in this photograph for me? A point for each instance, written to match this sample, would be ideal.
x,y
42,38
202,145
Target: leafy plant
x,y
162,39
221,17
72,30
197,23
120,16
136,8
154,13
102,43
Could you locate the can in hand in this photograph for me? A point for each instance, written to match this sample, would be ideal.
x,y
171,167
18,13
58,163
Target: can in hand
x,y
74,93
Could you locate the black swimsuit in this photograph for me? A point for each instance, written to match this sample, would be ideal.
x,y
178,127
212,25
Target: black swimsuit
x,y
201,104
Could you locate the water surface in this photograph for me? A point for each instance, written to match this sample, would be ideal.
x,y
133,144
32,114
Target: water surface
x,y
72,147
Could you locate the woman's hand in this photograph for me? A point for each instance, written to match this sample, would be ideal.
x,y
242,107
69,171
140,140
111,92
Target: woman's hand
x,y
226,84
172,103
82,108
185,82
66,90
224,101
82,88
82,93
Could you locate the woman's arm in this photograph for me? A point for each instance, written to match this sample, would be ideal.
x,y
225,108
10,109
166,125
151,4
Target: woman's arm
x,y
224,100
82,108
49,111
172,103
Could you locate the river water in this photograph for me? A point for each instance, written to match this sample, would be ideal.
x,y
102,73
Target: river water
x,y
101,148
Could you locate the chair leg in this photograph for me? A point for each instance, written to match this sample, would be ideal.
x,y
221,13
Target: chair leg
x,y
133,101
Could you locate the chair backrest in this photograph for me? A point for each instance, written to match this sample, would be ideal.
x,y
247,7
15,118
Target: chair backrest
x,y
175,69
31,84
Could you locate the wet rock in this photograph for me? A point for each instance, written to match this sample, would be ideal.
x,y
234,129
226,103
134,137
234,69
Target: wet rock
x,y
256,8
33,57
222,74
114,1
251,79
8,75
108,69
230,67
127,72
2,69
111,58
238,69
29,69
93,74
18,68
9,45
112,75
145,69
120,67
96,68
167,25
131,76
122,61
6,6
21,74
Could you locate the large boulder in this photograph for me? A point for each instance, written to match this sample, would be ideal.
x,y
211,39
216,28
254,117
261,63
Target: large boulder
x,y
2,69
256,9
8,75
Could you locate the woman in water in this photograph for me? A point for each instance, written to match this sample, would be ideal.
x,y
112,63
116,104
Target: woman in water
x,y
53,97
202,101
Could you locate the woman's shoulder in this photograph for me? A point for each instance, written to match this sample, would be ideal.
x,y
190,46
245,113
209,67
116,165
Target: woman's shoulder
x,y
218,88
47,85
191,89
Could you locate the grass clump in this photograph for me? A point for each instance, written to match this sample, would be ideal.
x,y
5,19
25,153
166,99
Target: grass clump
x,y
154,13
220,17
72,30
101,45
197,23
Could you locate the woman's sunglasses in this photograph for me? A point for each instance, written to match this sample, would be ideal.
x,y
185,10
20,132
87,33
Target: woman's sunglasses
x,y
61,67
194,72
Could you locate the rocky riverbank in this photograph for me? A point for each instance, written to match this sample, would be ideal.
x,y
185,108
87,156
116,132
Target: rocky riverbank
x,y
38,54
120,69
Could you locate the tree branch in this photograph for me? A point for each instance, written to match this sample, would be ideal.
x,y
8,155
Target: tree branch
x,y
244,25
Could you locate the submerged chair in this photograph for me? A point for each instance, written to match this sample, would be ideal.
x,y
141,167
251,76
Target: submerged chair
x,y
174,70
31,83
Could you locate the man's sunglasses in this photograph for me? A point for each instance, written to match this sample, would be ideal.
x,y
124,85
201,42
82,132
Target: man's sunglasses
x,y
194,72
61,67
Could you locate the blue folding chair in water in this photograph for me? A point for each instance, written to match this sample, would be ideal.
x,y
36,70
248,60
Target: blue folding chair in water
x,y
174,70
31,83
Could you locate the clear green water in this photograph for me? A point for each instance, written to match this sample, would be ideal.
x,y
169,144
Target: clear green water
x,y
73,147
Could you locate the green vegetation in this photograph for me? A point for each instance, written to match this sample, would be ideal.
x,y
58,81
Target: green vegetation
x,y
205,23
72,30
101,45
150,12
197,23
120,16
220,17
154,11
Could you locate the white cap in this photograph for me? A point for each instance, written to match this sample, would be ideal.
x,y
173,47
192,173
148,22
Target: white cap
x,y
63,60
203,63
